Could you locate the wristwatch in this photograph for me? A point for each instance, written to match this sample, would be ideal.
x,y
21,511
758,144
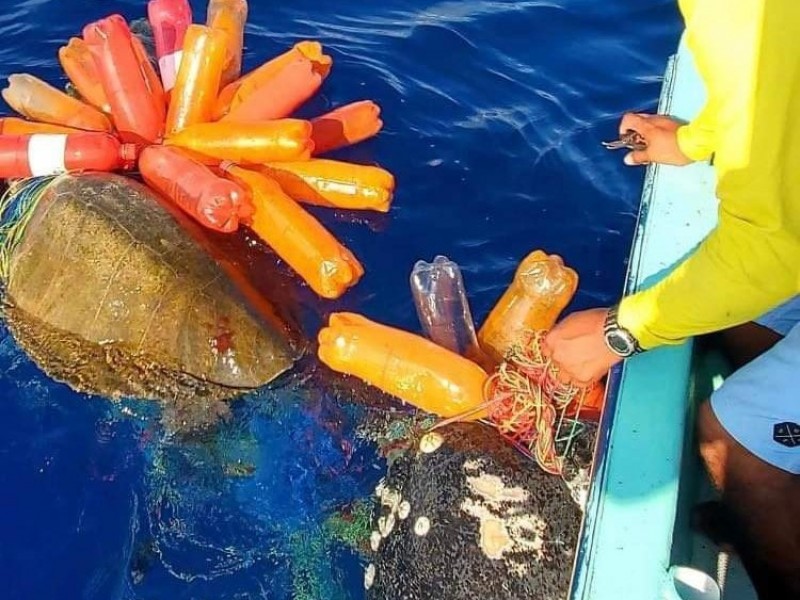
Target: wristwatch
x,y
618,339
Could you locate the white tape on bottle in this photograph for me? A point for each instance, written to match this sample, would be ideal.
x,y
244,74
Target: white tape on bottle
x,y
46,154
169,65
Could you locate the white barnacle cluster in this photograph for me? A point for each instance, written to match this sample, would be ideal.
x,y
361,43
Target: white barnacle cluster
x,y
505,528
394,509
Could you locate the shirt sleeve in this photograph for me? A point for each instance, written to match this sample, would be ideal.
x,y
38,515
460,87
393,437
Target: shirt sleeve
x,y
696,140
736,275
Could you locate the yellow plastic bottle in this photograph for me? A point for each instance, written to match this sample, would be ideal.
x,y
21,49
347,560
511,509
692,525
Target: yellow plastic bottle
x,y
196,88
297,237
333,183
256,143
541,289
39,101
404,365
229,16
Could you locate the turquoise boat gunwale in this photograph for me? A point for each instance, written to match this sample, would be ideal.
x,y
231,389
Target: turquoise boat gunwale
x,y
646,474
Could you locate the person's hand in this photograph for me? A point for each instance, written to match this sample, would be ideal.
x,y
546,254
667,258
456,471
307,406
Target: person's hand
x,y
661,134
577,346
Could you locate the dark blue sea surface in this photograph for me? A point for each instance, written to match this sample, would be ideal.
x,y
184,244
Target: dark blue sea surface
x,y
494,112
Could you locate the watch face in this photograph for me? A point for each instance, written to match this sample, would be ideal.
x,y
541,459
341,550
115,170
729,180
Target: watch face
x,y
619,343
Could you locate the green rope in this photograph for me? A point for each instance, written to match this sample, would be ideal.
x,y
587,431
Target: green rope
x,y
16,207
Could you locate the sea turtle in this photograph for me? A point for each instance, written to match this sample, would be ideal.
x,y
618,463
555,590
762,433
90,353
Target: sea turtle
x,y
466,516
112,290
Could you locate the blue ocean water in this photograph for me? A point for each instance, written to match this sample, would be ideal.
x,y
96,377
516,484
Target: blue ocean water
x,y
494,113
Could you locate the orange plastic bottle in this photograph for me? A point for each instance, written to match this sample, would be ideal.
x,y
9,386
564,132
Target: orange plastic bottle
x,y
541,289
169,20
402,364
345,126
213,201
52,154
151,79
279,97
78,63
335,184
230,16
37,100
134,108
327,266
15,126
233,94
198,80
256,143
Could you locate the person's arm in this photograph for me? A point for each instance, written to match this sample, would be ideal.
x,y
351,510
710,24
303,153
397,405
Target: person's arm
x,y
696,139
737,274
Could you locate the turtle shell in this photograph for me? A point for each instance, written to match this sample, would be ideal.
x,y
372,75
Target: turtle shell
x,y
115,292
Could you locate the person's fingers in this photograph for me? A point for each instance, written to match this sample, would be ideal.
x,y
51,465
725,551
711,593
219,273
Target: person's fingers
x,y
636,121
637,157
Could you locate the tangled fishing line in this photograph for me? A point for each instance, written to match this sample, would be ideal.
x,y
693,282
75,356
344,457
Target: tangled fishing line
x,y
531,407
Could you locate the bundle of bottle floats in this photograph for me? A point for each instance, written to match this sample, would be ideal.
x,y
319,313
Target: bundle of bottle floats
x,y
225,148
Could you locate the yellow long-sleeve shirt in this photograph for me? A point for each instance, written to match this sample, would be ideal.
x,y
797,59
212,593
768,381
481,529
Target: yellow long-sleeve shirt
x,y
748,55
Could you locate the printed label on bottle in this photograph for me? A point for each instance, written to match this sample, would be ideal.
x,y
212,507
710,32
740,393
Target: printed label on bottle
x,y
169,65
46,153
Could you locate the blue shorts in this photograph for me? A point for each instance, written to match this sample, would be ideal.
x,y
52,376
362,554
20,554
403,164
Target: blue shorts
x,y
759,405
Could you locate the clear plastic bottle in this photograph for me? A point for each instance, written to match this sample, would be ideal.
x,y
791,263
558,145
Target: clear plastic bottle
x,y
442,305
541,289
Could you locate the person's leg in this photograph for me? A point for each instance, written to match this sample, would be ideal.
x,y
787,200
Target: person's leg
x,y
749,437
745,342
760,509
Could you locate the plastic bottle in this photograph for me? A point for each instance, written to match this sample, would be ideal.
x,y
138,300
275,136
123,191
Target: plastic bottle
x,y
134,107
78,63
233,94
37,100
15,126
169,20
230,16
151,79
327,266
405,365
52,154
256,143
541,289
332,183
442,306
196,88
213,201
281,96
345,126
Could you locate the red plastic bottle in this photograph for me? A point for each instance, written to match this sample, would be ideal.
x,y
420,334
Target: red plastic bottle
x,y
215,202
41,154
134,108
169,19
